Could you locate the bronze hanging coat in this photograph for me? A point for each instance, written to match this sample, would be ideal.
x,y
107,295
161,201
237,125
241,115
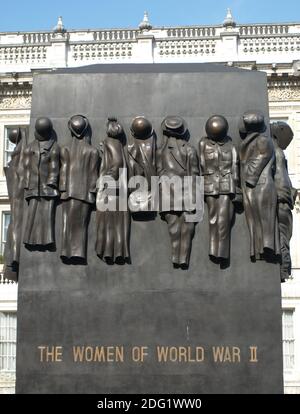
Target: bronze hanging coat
x,y
177,158
142,162
113,226
259,193
78,176
219,166
285,203
41,176
14,173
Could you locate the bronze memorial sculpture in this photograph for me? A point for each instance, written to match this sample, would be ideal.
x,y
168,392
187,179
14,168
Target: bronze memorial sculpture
x,y
78,177
141,162
176,158
41,178
128,300
219,165
113,222
282,136
14,179
259,193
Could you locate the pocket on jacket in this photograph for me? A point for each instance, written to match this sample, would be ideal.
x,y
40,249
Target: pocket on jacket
x,y
224,186
262,180
226,155
209,154
208,188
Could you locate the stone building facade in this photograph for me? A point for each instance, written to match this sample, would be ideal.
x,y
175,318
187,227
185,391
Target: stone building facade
x,y
272,48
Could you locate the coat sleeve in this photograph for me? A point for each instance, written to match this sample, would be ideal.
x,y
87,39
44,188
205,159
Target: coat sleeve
x,y
53,175
64,159
113,161
201,156
94,170
159,157
236,168
194,162
26,166
256,165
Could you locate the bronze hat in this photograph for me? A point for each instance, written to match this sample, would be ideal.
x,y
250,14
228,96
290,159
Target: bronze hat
x,y
174,126
216,127
283,134
15,135
252,121
78,124
141,128
43,129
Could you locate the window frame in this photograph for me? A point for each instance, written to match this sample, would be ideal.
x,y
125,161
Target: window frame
x,y
3,242
290,340
8,337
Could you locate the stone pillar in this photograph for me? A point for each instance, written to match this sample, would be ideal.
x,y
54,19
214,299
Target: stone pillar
x,y
229,44
143,49
58,53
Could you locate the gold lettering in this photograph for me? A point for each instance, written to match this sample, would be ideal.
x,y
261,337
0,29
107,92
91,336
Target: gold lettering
x,y
42,349
98,354
182,353
138,353
110,354
253,354
218,353
162,353
179,354
226,354
58,354
120,353
50,353
199,354
173,354
88,354
78,352
236,354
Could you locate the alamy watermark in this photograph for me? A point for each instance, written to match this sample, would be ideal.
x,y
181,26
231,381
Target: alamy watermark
x,y
158,194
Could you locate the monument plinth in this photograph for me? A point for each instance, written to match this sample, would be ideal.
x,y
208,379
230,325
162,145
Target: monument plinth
x,y
145,326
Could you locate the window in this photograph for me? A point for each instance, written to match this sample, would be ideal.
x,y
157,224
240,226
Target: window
x,y
5,224
288,339
8,324
9,146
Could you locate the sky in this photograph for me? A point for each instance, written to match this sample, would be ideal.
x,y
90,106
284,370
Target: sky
x,y
27,15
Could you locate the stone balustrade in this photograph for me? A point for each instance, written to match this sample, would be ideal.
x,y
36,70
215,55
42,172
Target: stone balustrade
x,y
4,281
24,51
114,35
184,32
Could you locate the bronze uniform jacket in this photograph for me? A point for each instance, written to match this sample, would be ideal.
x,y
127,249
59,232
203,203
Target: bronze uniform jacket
x,y
79,171
219,165
176,158
259,193
41,169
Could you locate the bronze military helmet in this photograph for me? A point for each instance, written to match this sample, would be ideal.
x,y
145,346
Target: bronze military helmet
x,y
283,134
15,135
216,127
43,129
78,125
141,128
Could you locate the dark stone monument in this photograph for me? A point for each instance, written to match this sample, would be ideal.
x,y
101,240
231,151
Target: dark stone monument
x,y
147,327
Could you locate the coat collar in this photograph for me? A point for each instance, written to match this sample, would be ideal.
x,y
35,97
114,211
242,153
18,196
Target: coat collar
x,y
43,146
175,146
221,143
